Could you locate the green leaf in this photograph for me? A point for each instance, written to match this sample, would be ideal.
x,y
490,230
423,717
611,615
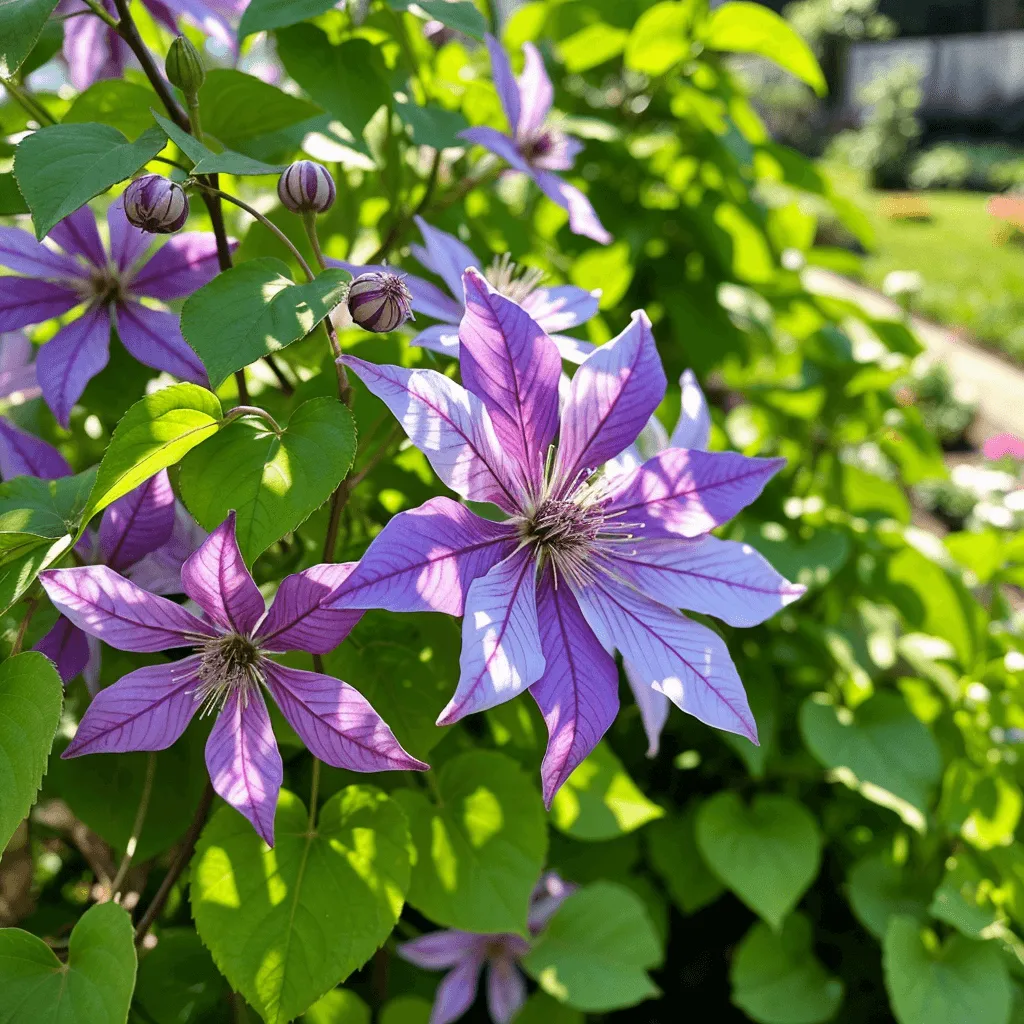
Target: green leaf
x,y
254,309
540,1008
881,749
207,161
33,509
776,979
963,900
595,952
432,126
591,46
741,27
768,853
273,482
600,801
339,1006
266,15
661,38
480,853
673,853
11,200
608,268
154,434
943,983
31,696
21,24
982,804
113,101
405,1010
93,987
19,570
178,981
461,15
879,889
61,167
286,925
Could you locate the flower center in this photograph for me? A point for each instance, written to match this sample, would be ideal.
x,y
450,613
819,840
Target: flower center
x,y
538,145
105,286
514,282
228,665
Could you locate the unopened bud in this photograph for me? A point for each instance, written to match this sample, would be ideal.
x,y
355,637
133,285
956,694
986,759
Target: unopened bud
x,y
379,301
156,204
306,187
184,66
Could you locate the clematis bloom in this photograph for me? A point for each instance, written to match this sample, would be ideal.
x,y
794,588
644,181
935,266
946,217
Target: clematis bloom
x,y
585,562
21,453
148,709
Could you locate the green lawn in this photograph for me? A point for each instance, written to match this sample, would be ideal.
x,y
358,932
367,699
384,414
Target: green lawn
x,y
970,280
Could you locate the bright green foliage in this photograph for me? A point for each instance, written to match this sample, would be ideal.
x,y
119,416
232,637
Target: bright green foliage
x,y
339,1006
479,849
208,161
461,15
21,22
123,105
93,987
286,925
261,15
879,889
45,509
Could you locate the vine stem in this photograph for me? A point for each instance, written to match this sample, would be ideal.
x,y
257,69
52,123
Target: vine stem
x,y
402,224
30,609
140,820
27,101
314,795
242,411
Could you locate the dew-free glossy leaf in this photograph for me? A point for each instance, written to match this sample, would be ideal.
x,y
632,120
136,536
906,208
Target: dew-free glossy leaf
x,y
461,15
266,15
206,160
673,853
878,890
30,507
123,105
21,22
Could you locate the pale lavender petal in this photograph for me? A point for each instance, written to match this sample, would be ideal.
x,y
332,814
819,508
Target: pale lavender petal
x,y
501,649
506,989
137,523
71,358
511,365
426,560
76,234
694,426
127,242
244,763
653,707
154,338
20,252
449,425
16,352
457,991
500,145
205,16
685,492
216,578
444,255
67,647
21,454
578,694
25,301
612,396
181,266
148,709
92,50
91,672
429,300
336,722
536,93
559,151
687,662
505,82
583,220
559,308
118,612
572,349
548,895
160,572
20,385
723,578
441,338
437,951
301,617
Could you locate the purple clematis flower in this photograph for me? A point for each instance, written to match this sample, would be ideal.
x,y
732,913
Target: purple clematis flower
x,y
93,50
112,284
554,309
464,955
585,562
533,145
149,708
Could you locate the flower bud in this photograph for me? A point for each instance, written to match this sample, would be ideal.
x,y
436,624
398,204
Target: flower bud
x,y
156,204
379,301
306,187
184,66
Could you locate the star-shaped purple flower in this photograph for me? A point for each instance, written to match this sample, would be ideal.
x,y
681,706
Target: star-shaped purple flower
x,y
464,955
555,309
149,708
585,562
534,145
111,284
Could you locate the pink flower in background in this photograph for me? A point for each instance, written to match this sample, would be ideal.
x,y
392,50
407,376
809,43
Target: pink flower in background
x,y
1003,445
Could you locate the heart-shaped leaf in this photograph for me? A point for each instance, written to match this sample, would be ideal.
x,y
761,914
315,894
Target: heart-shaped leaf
x,y
287,924
20,26
273,482
93,987
31,695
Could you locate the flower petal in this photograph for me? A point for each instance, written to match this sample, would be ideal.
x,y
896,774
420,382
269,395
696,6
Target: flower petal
x,y
536,92
301,617
687,662
442,338
572,350
16,352
558,309
137,523
244,763
583,220
127,242
67,647
653,707
92,50
501,648
160,571
71,358
20,252
500,145
578,694
216,578
685,492
506,989
25,301
449,425
505,82
429,300
511,365
181,266
425,560
337,722
76,234
457,991
612,396
444,255
22,454
148,709
437,951
118,612
694,426
154,338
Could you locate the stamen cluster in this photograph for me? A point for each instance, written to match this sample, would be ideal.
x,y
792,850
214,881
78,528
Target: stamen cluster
x,y
227,664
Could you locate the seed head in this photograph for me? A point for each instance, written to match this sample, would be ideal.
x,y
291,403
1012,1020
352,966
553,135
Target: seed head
x,y
306,187
379,301
156,204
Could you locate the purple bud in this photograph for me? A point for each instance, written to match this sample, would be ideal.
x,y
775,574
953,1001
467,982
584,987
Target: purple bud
x,y
306,187
379,301
156,204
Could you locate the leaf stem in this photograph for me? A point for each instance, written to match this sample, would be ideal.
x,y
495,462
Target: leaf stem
x,y
27,101
97,8
309,222
140,820
241,411
314,795
30,610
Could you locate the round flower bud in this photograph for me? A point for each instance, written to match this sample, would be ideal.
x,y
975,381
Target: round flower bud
x,y
156,204
379,301
306,187
184,66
